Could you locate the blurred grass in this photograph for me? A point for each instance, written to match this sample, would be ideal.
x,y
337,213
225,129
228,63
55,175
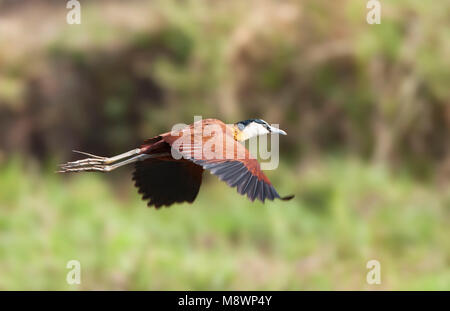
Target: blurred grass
x,y
345,214
372,93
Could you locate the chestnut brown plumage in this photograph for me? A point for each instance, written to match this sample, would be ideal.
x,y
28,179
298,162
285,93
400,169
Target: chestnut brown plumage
x,y
169,167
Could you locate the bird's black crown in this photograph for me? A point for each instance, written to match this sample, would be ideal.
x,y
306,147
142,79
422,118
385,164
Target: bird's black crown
x,y
243,124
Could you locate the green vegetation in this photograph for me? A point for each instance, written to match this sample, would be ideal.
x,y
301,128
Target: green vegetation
x,y
366,109
345,214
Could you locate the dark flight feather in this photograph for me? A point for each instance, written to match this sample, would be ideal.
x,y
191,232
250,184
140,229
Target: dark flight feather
x,y
166,182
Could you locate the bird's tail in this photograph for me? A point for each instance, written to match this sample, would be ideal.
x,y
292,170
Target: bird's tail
x,y
287,197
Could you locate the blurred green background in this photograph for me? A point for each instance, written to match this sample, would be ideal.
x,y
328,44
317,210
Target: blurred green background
x,y
366,109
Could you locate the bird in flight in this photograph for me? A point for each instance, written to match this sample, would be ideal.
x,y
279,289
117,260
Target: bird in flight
x,y
169,166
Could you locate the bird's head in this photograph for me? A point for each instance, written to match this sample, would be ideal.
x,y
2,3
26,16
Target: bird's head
x,y
254,127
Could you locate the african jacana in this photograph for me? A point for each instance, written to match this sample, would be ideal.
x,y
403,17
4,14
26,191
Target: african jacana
x,y
169,167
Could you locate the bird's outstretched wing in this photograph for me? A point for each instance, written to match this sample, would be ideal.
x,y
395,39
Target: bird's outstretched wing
x,y
163,182
213,147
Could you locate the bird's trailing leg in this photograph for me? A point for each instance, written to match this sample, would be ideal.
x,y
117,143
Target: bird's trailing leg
x,y
98,160
103,164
